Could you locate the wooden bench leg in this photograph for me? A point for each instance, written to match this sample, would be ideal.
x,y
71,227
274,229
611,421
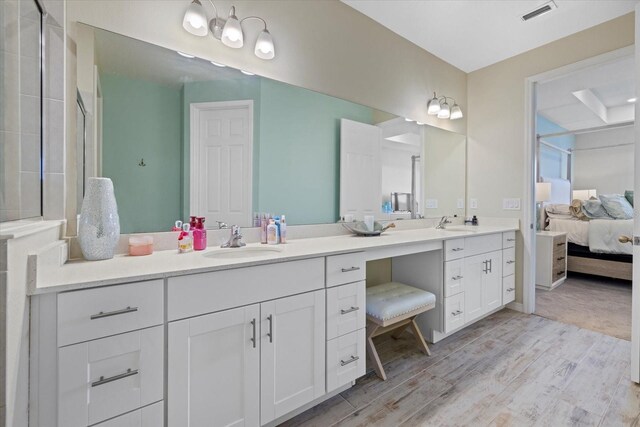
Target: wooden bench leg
x,y
373,354
421,342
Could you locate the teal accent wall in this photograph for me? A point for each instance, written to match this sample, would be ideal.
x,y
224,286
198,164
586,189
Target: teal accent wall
x,y
300,168
552,162
141,120
219,91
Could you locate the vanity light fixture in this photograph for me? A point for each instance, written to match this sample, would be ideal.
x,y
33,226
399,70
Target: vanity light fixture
x,y
186,55
632,100
439,106
407,119
229,32
217,64
248,73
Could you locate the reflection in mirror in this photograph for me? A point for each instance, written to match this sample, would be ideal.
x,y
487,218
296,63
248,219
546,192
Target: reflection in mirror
x,y
182,136
81,139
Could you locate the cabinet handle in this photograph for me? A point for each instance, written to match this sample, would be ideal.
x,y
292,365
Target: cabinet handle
x,y
270,334
511,240
113,313
511,289
456,313
346,270
560,259
351,360
486,266
560,244
349,310
559,273
457,249
510,262
104,380
457,277
253,338
491,266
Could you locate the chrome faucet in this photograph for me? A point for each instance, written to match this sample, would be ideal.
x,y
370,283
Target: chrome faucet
x,y
235,239
443,223
222,225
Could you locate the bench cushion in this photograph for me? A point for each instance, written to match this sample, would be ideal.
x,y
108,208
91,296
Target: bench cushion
x,y
394,299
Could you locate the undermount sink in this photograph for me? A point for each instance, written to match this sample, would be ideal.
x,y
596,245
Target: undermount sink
x,y
243,252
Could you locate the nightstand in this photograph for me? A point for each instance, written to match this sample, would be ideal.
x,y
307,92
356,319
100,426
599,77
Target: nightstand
x,y
551,259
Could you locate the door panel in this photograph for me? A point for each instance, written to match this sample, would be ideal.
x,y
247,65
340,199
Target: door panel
x,y
474,270
635,295
214,369
293,353
492,283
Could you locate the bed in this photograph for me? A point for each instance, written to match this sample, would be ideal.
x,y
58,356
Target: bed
x,y
593,246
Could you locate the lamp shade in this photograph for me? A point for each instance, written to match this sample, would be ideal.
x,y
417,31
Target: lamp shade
x,y
433,106
456,112
195,20
264,46
445,111
232,32
543,191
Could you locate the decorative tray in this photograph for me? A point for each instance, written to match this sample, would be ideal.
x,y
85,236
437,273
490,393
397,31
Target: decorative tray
x,y
359,228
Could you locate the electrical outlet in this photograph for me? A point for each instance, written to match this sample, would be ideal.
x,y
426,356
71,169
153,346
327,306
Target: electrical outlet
x,y
431,203
460,203
473,203
511,204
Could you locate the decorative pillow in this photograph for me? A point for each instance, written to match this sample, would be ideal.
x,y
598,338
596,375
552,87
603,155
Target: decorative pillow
x,y
617,206
593,209
629,196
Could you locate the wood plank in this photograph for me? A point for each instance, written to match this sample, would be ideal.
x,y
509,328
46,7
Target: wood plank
x,y
564,414
575,344
600,267
625,405
328,412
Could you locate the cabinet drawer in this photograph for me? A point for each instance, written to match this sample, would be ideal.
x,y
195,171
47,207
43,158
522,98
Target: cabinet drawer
x,y
483,244
345,268
454,312
559,273
454,249
149,416
559,246
508,262
197,294
107,377
346,359
96,313
346,309
453,277
508,239
508,289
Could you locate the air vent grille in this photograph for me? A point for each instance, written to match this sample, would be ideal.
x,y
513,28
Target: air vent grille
x,y
545,8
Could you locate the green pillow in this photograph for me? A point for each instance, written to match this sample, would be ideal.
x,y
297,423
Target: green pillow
x,y
629,196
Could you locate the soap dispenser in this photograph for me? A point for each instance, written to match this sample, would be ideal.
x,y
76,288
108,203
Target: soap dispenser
x,y
200,235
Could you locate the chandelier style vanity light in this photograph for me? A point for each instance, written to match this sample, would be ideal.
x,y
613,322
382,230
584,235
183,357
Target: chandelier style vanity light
x,y
439,106
228,31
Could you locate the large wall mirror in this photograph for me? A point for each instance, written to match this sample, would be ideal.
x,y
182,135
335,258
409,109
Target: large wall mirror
x,y
182,136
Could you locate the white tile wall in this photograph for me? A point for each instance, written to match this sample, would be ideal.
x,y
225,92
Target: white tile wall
x,y
54,136
54,196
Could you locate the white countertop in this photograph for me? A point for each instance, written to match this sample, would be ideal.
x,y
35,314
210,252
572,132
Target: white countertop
x,y
123,268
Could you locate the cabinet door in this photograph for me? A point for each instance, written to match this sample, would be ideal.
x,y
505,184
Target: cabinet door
x,y
214,369
474,270
292,372
492,282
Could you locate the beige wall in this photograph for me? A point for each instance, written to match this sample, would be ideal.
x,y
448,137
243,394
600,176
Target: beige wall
x,y
496,115
320,45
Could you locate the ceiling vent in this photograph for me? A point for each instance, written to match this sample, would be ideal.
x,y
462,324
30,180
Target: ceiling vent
x,y
545,8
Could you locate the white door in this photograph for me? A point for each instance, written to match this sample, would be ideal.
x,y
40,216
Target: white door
x,y
293,353
360,169
214,370
492,283
635,321
221,161
474,271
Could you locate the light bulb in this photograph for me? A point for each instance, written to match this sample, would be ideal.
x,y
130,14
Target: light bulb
x,y
433,106
232,32
217,64
264,46
456,112
195,20
444,112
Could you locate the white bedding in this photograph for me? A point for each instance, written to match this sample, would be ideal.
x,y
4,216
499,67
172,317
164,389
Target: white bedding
x,y
604,233
577,231
600,235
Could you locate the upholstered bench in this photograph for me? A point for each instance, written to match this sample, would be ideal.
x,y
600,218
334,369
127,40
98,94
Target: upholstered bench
x,y
395,306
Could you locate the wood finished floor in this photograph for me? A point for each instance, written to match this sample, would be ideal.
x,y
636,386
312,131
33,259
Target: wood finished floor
x,y
589,302
509,369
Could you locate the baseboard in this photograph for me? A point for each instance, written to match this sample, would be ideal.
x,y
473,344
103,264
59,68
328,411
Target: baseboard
x,y
517,306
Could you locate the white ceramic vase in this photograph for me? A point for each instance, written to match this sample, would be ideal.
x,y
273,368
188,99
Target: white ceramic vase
x,y
99,227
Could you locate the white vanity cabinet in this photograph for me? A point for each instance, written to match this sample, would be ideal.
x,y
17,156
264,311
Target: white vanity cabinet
x,y
482,285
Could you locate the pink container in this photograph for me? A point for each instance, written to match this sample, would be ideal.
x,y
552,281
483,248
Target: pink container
x,y
142,245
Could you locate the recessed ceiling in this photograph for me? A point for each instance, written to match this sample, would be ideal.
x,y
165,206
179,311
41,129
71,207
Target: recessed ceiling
x,y
472,34
595,96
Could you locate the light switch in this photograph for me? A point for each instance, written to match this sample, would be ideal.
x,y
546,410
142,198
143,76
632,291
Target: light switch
x,y
511,204
460,203
431,203
473,203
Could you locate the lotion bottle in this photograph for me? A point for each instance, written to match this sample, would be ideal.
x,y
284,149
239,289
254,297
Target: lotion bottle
x,y
200,235
272,233
283,230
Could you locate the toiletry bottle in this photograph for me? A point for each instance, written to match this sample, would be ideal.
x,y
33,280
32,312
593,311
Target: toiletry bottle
x,y
263,229
177,226
272,233
192,222
474,220
276,219
185,242
283,229
199,235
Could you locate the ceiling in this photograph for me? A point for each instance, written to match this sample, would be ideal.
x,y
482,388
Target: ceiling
x,y
595,96
472,34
